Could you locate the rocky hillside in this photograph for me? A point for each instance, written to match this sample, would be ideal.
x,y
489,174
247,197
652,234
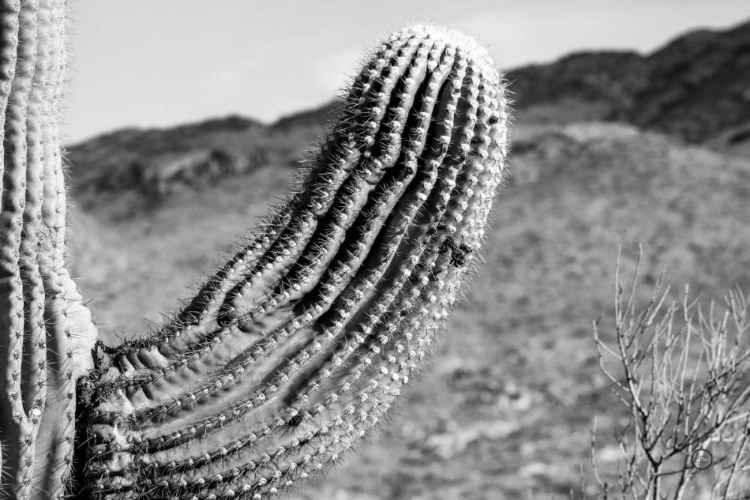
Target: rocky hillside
x,y
579,87
696,88
127,172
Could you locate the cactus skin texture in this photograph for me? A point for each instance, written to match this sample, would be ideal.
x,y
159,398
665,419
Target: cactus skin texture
x,y
46,333
294,349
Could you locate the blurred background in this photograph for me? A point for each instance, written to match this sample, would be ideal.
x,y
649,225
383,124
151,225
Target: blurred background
x,y
632,127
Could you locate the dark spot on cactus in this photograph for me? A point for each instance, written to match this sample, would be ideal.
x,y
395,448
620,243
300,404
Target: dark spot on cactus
x,y
459,255
493,119
404,173
458,252
448,244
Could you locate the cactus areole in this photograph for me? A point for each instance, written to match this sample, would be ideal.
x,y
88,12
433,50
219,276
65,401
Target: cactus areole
x,y
290,352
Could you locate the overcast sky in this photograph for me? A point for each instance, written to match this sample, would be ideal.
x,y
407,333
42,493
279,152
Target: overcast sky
x,y
162,62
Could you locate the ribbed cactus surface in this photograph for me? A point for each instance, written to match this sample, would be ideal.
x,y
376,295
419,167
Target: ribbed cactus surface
x,y
46,334
295,348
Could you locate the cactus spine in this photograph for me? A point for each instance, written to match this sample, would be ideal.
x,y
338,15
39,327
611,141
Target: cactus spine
x,y
294,349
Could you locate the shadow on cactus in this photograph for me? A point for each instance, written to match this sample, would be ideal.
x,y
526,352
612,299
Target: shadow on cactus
x,y
295,348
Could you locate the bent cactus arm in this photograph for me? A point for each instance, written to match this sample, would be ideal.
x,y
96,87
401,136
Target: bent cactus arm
x,y
294,349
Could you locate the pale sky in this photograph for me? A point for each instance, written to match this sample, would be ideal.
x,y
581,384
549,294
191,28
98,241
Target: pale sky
x,y
157,63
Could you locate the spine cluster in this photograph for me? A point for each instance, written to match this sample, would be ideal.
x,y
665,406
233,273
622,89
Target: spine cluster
x,y
299,345
46,333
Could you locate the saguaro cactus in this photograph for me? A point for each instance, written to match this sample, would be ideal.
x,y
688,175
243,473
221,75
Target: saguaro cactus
x,y
294,348
46,335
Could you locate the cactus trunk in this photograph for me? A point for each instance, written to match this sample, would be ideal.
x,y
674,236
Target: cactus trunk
x,y
46,332
295,348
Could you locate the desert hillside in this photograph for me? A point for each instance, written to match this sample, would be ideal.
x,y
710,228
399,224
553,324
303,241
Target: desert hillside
x,y
694,88
607,153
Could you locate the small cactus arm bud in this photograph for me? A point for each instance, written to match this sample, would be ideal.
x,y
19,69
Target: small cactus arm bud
x,y
46,333
295,348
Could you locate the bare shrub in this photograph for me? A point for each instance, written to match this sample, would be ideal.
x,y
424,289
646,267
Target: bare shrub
x,y
683,373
